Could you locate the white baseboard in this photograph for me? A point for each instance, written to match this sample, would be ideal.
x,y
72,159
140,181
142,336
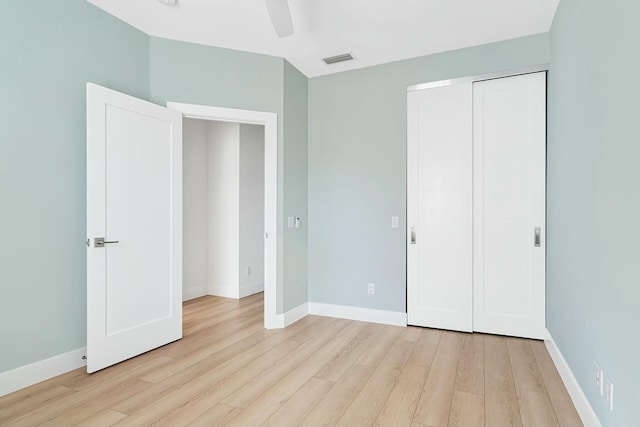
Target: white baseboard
x,y
225,291
42,370
235,291
276,322
192,293
292,316
247,290
358,313
586,412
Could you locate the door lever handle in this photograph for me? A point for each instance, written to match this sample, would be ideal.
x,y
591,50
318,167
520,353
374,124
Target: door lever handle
x,y
536,237
99,242
413,235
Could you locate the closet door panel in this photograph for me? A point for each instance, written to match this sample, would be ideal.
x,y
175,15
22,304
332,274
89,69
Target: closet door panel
x,y
439,241
509,205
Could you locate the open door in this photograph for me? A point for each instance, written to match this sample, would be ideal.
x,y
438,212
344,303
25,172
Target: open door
x,y
134,227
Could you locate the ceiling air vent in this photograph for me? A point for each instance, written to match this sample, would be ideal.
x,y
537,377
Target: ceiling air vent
x,y
338,58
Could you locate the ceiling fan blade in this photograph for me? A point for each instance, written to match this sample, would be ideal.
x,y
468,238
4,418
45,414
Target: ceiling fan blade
x,y
280,15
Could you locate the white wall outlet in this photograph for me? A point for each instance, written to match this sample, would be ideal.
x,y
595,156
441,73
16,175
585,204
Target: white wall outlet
x,y
609,387
394,222
290,222
598,376
371,289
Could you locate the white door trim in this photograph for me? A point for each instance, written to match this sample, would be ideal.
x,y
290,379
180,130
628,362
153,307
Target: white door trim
x,y
270,123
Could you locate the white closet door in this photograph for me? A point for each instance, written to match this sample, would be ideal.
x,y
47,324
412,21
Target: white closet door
x,y
439,208
509,119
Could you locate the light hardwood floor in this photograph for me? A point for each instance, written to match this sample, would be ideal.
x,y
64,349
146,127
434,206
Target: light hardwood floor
x,y
228,370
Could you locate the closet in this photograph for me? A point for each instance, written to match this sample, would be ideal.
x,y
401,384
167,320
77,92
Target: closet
x,y
476,205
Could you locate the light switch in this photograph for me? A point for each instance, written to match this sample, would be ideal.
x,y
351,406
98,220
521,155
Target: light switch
x,y
297,222
290,223
394,222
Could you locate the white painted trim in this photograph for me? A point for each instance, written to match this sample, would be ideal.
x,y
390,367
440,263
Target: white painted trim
x,y
193,293
224,291
358,313
586,412
42,370
295,314
272,320
251,289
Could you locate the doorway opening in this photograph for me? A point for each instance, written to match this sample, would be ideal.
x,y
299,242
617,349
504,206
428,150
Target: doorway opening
x,y
223,209
229,204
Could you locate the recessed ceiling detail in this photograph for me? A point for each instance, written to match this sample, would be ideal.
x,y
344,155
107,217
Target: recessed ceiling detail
x,y
379,31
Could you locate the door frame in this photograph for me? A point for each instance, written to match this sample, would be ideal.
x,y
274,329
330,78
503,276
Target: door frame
x,y
270,122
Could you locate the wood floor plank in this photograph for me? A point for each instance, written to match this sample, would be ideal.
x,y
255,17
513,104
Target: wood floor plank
x,y
272,399
501,402
199,404
281,335
57,409
334,404
209,397
104,418
435,403
250,391
353,329
138,367
213,352
536,409
467,410
367,405
308,333
165,406
214,338
31,401
411,333
295,409
401,404
219,415
354,349
470,372
384,340
560,399
526,374
425,349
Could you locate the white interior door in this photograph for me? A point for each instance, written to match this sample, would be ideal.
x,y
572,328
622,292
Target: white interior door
x,y
509,205
439,207
134,196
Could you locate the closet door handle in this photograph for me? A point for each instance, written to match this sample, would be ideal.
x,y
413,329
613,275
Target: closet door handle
x,y
413,235
536,237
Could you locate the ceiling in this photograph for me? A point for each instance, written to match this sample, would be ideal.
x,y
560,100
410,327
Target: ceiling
x,y
375,31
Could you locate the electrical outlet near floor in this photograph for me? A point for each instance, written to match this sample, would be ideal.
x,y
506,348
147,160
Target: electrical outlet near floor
x,y
609,387
597,377
371,289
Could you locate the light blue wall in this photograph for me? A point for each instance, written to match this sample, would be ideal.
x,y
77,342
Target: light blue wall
x,y
357,168
49,50
295,186
593,273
